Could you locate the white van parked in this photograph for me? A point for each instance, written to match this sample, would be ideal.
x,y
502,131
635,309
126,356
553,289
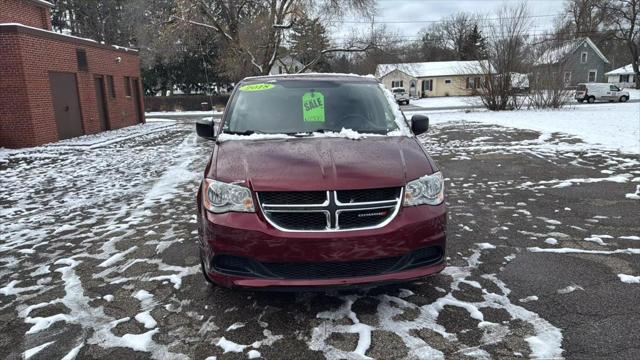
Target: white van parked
x,y
592,92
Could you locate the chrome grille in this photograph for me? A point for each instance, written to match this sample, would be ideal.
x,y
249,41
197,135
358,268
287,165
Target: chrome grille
x,y
340,210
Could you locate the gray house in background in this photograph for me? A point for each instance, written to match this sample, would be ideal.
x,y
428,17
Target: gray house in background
x,y
576,61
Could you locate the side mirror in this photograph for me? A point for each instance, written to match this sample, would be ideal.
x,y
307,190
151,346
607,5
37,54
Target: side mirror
x,y
419,124
205,129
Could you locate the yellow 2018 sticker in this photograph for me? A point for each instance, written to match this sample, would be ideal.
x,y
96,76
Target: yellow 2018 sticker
x,y
256,87
313,107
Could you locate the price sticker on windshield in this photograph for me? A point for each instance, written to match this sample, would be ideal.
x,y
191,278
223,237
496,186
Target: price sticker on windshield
x,y
313,107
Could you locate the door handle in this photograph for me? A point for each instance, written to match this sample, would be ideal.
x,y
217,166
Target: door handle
x,y
66,108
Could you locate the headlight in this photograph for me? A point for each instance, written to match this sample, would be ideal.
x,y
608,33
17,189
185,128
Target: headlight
x,y
427,190
221,197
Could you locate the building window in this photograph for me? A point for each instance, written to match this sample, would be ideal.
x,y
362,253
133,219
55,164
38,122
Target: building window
x,y
593,74
127,86
448,81
295,69
473,83
624,78
111,86
583,57
396,84
280,69
427,85
567,77
81,56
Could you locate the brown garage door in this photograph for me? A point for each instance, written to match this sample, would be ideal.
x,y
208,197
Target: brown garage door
x,y
64,91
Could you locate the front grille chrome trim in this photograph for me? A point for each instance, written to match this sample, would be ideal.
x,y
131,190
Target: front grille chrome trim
x,y
340,207
324,204
365,203
326,214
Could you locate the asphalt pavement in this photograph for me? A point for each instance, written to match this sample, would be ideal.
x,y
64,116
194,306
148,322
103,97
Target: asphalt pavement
x,y
99,259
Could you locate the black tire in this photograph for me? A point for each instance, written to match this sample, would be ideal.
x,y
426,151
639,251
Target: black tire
x,y
204,271
406,102
591,99
623,98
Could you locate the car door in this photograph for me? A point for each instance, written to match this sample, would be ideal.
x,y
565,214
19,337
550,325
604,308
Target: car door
x,y
615,92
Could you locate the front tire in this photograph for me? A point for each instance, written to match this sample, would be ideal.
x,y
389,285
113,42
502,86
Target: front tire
x,y
623,99
591,99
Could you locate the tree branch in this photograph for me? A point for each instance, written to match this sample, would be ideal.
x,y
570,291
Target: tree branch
x,y
333,50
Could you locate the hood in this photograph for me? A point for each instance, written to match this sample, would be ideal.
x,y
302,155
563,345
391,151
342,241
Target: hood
x,y
305,164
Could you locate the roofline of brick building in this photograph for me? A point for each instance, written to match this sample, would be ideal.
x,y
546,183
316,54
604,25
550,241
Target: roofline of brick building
x,y
23,29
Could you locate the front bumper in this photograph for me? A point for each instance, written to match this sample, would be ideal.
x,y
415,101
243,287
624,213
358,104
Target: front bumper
x,y
307,260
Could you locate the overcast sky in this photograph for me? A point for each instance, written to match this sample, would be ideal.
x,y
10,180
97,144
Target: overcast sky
x,y
407,16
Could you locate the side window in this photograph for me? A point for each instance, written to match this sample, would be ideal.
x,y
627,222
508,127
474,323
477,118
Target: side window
x,y
583,58
448,81
592,75
614,88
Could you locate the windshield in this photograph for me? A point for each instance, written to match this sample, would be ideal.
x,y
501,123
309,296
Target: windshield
x,y
398,91
582,87
306,106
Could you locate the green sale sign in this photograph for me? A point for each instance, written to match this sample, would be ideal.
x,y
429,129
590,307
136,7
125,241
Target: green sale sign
x,y
313,107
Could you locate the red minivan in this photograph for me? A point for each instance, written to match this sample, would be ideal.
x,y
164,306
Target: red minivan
x,y
318,181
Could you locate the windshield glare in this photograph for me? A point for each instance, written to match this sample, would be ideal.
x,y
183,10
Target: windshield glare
x,y
305,106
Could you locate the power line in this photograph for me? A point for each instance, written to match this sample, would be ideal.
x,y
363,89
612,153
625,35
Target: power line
x,y
435,21
556,35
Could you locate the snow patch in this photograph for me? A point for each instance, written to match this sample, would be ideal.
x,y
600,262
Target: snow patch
x,y
529,299
570,289
29,353
629,279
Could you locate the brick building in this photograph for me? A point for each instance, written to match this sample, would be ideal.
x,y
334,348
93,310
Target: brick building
x,y
55,86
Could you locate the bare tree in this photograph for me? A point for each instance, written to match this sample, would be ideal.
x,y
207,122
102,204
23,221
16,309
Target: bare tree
x,y
252,31
505,44
455,31
547,88
584,17
624,16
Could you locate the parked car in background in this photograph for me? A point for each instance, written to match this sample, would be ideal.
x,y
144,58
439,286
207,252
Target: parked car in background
x,y
401,96
317,181
592,92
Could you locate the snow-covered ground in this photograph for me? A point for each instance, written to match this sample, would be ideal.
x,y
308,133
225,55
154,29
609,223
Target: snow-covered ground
x,y
608,126
634,94
446,101
183,113
465,101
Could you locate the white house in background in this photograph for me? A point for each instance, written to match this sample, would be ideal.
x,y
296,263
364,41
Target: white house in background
x,y
286,65
623,77
437,78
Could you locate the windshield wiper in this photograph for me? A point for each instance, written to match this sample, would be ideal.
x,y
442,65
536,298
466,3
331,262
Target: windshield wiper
x,y
246,132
